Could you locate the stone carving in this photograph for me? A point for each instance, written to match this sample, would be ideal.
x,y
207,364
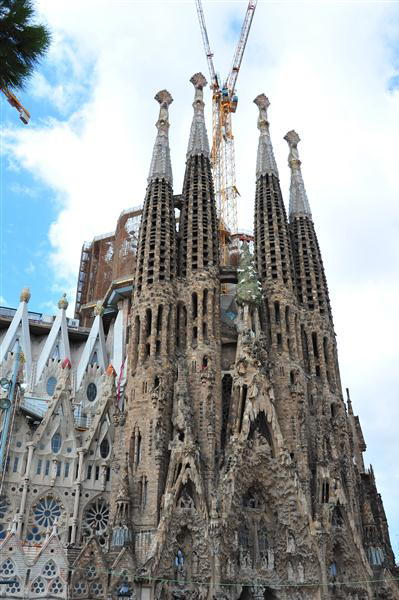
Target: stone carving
x,y
265,161
299,204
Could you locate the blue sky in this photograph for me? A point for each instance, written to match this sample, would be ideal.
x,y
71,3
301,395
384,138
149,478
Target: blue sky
x,y
330,71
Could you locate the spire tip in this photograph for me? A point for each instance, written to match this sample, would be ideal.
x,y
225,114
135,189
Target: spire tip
x,y
198,80
262,102
292,138
163,97
299,204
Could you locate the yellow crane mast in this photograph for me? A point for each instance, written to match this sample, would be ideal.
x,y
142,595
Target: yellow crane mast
x,y
224,103
13,100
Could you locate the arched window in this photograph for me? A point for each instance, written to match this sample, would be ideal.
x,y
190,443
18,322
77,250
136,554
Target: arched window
x,y
91,392
104,448
51,383
56,443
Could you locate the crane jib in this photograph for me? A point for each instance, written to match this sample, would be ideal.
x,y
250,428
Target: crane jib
x,y
224,103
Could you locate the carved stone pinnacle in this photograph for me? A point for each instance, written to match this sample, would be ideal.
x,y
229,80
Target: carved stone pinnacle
x,y
292,138
198,80
262,102
63,302
163,97
99,309
25,295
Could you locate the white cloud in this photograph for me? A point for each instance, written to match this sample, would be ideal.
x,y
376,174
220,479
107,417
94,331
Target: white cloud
x,y
326,69
31,268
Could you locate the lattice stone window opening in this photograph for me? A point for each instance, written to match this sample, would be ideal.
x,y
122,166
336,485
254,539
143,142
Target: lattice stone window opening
x,y
79,588
91,571
14,587
96,588
34,535
38,586
56,586
7,568
49,569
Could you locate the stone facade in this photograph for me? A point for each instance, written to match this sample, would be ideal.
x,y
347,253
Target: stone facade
x,y
190,443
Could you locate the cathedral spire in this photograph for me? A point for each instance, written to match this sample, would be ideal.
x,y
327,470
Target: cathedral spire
x,y
265,161
198,142
299,204
198,226
272,259
161,167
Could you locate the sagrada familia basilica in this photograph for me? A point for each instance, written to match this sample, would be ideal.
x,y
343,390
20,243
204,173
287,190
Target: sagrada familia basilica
x,y
185,436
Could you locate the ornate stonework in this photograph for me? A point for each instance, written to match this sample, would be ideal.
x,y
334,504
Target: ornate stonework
x,y
192,444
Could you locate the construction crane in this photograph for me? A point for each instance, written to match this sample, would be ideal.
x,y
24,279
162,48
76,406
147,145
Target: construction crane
x,y
224,103
13,100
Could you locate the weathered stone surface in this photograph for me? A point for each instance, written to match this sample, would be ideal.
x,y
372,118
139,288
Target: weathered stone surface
x,y
208,453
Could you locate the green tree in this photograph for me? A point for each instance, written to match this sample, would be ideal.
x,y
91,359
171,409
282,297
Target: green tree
x,y
249,289
22,43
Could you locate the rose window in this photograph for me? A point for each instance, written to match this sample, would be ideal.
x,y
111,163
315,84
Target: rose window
x,y
49,569
7,568
97,588
56,586
47,511
79,588
14,587
91,571
38,586
96,517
